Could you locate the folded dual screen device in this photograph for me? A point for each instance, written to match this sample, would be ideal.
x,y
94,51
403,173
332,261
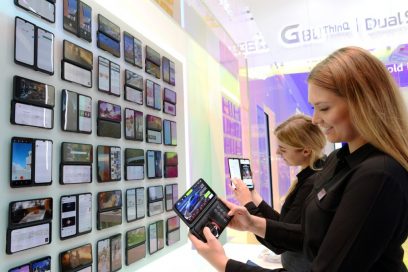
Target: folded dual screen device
x,y
241,169
200,207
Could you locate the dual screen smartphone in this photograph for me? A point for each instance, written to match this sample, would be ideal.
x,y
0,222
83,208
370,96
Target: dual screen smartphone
x,y
241,169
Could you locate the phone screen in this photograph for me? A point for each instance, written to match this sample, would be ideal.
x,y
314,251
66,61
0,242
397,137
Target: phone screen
x,y
23,268
42,265
42,8
115,160
70,15
84,213
116,257
108,44
133,95
85,21
103,74
24,47
33,92
109,28
151,172
173,133
172,74
109,129
149,93
234,169
104,253
129,124
139,125
85,113
246,173
21,161
140,203
76,174
45,50
134,80
76,74
169,108
170,96
76,153
78,55
29,237
68,216
69,110
152,55
115,79
138,52
43,161
103,163
128,46
152,238
166,69
72,259
109,111
167,132
109,200
131,204
169,197
30,211
160,234
157,97
33,116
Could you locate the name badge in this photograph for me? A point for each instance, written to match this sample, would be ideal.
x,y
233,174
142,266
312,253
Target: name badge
x,y
321,194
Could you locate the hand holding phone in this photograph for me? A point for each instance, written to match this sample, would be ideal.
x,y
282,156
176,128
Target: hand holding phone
x,y
241,169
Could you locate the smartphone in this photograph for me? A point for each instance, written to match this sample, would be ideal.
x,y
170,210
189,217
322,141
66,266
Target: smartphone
x,y
85,114
134,164
104,255
116,249
70,20
166,69
21,161
103,158
109,129
133,95
109,111
172,74
28,212
69,111
115,79
128,48
160,234
115,163
24,52
30,115
33,92
41,8
76,74
152,69
84,213
155,200
241,169
134,80
109,28
135,245
169,108
109,200
85,21
43,162
109,219
152,55
173,230
130,124
28,237
170,96
138,52
76,153
173,126
149,93
152,230
157,96
78,55
110,45
131,205
76,259
167,132
68,221
103,74
45,51
75,174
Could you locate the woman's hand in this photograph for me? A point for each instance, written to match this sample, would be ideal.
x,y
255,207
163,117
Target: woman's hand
x,y
241,191
212,251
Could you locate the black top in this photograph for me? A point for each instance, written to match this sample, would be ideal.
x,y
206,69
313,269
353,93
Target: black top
x,y
292,207
355,219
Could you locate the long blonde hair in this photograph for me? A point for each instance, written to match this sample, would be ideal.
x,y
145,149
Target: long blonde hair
x,y
375,104
298,131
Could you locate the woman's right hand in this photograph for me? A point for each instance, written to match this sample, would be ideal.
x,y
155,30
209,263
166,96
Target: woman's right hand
x,y
241,191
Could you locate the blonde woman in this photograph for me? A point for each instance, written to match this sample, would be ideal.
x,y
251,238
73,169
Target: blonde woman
x,y
300,143
356,217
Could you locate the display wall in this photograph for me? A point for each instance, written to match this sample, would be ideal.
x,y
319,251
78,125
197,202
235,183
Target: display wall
x,y
94,172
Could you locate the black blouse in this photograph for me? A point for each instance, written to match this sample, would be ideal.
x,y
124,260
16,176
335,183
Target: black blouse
x,y
355,219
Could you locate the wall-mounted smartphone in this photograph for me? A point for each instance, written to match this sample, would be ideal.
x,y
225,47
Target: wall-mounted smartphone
x,y
154,164
33,92
109,209
40,265
155,200
76,74
153,129
109,28
76,163
133,125
76,215
30,115
77,259
76,112
27,212
42,8
108,163
70,20
109,45
241,169
156,236
200,207
31,162
134,164
85,22
45,51
77,55
135,204
171,196
153,55
172,230
135,245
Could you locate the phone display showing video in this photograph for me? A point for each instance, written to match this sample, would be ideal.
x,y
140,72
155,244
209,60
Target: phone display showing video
x,y
109,111
109,219
24,42
30,211
109,28
110,45
23,268
135,245
169,132
109,163
78,55
42,8
76,153
200,207
85,21
76,258
241,169
41,265
134,164
153,122
70,15
45,51
33,92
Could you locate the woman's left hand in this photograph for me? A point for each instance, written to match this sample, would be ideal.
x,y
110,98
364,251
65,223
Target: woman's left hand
x,y
212,251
